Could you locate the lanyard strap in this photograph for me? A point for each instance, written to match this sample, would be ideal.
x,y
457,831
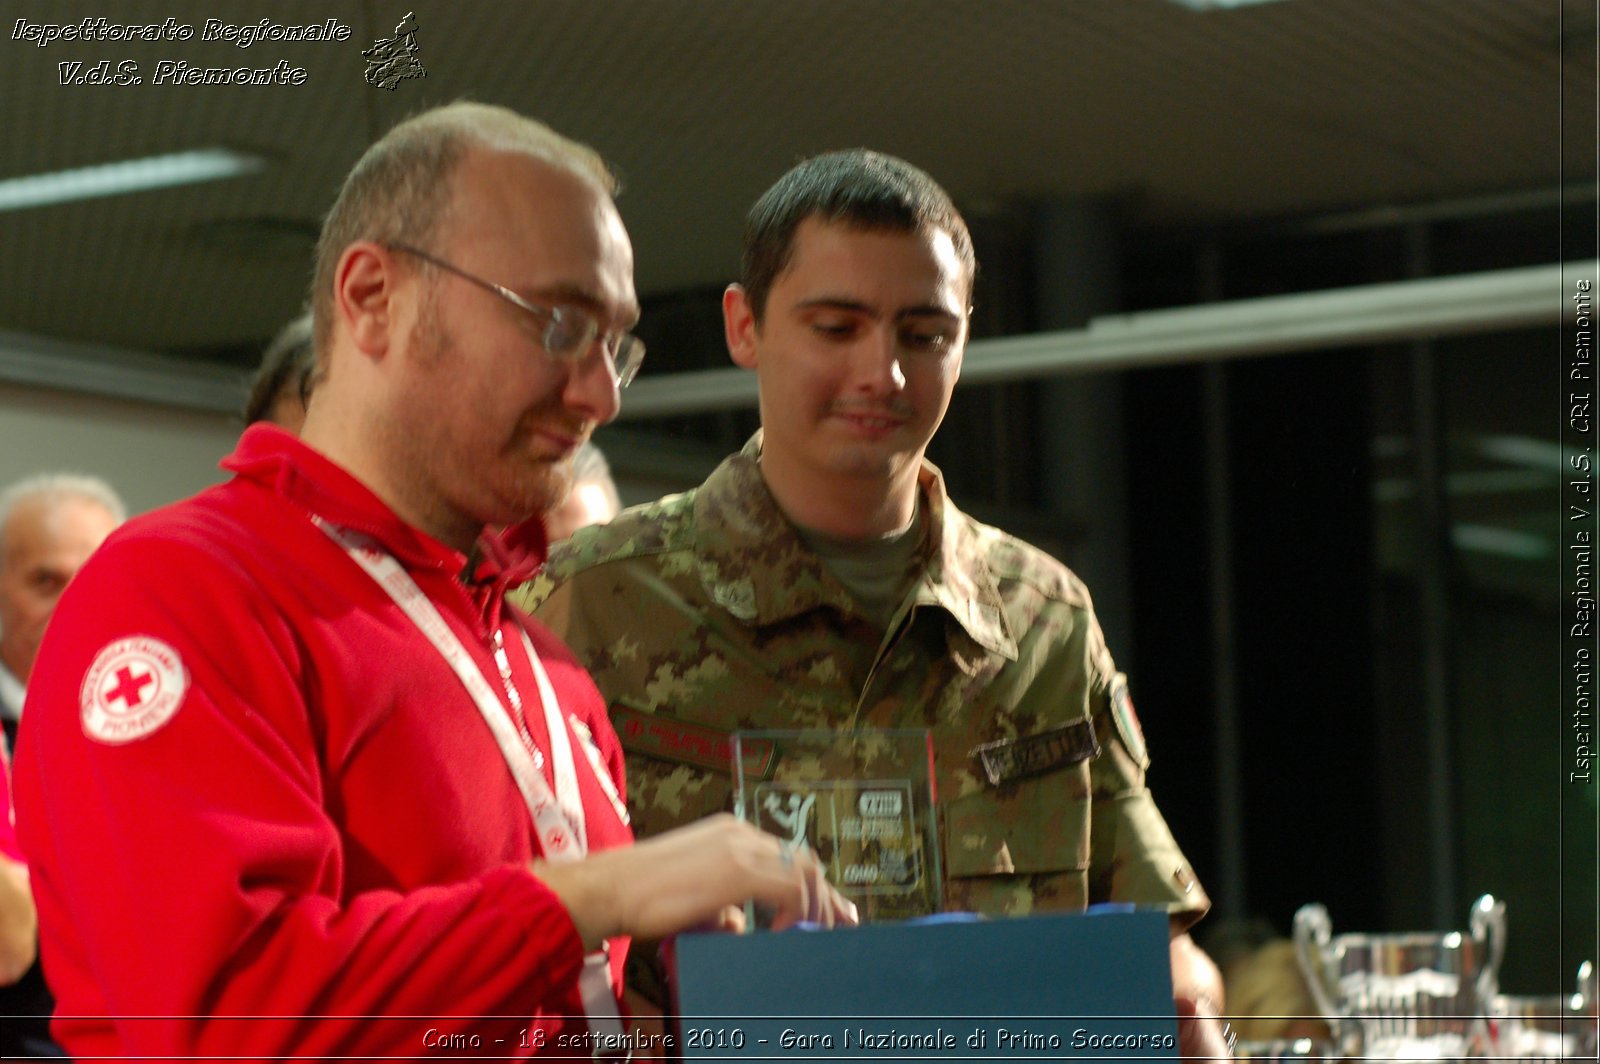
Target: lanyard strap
x,y
558,819
568,800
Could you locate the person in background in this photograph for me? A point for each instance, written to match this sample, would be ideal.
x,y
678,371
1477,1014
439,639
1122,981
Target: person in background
x,y
49,526
1268,999
821,578
281,389
303,784
593,499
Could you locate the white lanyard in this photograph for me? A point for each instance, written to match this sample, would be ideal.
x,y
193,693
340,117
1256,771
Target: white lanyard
x,y
558,819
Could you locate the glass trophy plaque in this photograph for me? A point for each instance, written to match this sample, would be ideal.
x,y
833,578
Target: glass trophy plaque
x,y
862,800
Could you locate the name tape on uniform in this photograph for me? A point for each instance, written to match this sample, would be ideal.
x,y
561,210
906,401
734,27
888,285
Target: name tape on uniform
x,y
1014,759
670,739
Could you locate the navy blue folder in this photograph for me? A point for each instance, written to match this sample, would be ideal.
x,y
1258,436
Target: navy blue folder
x,y
1033,988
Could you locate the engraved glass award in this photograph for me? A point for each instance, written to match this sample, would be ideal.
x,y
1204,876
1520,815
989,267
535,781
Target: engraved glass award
x,y
862,800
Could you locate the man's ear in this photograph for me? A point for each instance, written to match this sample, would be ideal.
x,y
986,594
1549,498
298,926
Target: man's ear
x,y
363,296
739,327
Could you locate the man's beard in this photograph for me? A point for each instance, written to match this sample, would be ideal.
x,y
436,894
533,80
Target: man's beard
x,y
524,485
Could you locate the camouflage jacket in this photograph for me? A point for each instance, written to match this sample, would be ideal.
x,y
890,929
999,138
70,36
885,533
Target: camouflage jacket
x,y
704,612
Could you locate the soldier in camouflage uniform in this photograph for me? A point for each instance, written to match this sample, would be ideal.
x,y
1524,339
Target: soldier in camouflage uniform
x,y
707,612
821,579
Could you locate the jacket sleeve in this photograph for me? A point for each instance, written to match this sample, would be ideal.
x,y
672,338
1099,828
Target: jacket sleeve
x,y
190,878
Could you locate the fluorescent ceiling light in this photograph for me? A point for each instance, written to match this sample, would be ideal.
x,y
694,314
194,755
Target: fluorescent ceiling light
x,y
1218,5
132,175
1483,539
1546,455
1524,451
1491,482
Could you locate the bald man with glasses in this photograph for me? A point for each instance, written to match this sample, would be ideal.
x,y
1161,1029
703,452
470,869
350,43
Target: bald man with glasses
x,y
303,783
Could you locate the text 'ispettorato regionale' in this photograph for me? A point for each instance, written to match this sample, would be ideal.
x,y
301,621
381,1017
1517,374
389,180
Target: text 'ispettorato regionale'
x,y
177,71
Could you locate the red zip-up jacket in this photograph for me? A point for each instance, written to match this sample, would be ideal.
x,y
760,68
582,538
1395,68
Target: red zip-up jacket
x,y
263,816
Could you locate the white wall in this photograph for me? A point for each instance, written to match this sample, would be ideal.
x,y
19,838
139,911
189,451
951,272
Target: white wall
x,y
151,454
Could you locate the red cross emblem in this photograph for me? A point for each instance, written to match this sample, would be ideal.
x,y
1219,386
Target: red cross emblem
x,y
132,688
129,689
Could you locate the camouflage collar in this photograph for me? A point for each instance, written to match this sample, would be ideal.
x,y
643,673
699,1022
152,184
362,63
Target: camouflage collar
x,y
958,577
739,529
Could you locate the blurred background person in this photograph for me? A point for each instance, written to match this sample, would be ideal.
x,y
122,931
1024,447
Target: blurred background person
x,y
282,385
1268,1000
49,525
1266,993
593,499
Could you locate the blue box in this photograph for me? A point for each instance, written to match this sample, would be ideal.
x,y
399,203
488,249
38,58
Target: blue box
x,y
1032,988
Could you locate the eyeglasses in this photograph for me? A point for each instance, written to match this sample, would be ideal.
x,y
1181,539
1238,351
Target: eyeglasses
x,y
567,332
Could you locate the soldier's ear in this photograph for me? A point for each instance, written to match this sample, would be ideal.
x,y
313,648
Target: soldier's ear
x,y
739,327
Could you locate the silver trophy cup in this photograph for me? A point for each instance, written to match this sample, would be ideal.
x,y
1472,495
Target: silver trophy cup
x,y
1547,1027
1416,996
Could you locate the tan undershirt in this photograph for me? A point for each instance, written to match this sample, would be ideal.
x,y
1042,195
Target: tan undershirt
x,y
877,571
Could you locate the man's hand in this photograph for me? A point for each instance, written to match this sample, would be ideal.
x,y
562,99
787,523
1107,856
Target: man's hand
x,y
1200,1034
1198,994
693,876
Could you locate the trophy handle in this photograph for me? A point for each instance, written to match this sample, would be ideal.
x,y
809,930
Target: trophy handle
x,y
1312,933
1585,1004
1489,927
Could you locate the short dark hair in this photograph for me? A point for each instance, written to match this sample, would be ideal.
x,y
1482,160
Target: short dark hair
x,y
287,368
861,188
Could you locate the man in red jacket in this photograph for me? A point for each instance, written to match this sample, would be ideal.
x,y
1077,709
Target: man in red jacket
x,y
297,781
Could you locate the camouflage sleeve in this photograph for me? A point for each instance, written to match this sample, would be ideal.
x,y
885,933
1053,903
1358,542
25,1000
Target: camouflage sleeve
x,y
552,598
531,596
1133,856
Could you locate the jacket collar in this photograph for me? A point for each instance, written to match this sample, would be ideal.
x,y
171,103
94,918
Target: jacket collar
x,y
281,463
740,530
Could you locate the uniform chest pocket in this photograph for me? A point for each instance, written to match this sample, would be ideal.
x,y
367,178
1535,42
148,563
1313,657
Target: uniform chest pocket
x,y
1021,847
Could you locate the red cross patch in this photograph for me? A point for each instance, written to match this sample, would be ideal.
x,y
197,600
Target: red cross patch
x,y
133,687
